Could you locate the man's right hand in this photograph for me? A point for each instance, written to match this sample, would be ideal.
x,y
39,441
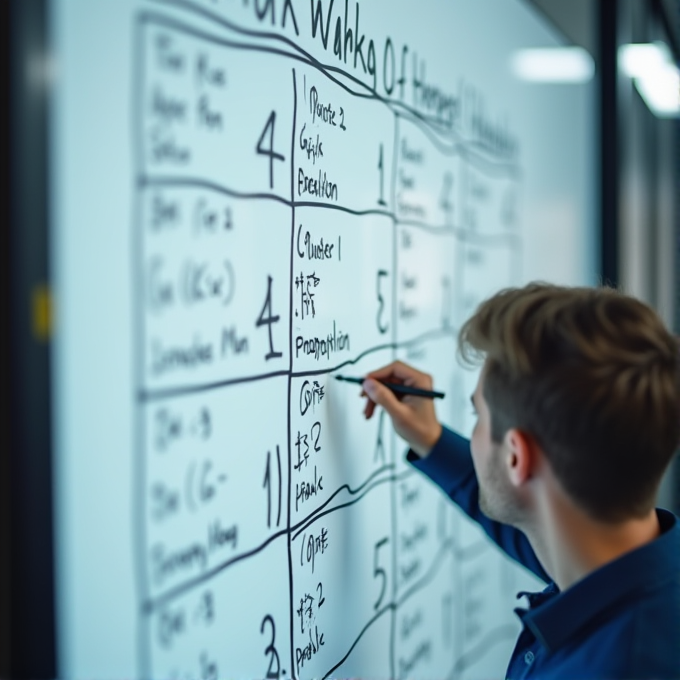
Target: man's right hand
x,y
414,418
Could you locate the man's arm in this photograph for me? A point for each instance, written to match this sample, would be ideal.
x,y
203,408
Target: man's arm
x,y
441,454
449,465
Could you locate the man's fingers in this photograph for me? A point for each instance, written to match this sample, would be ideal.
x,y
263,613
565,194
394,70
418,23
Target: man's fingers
x,y
369,408
383,396
399,372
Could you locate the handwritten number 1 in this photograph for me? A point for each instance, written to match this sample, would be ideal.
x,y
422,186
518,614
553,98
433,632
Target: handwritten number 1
x,y
446,616
267,484
383,328
446,302
444,202
381,200
269,150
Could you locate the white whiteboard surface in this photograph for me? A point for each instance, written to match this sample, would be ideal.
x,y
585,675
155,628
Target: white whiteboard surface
x,y
223,510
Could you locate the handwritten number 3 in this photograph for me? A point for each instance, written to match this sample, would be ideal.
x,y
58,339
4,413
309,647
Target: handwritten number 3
x,y
274,669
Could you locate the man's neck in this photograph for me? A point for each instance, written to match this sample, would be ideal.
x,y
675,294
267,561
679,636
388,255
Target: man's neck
x,y
571,545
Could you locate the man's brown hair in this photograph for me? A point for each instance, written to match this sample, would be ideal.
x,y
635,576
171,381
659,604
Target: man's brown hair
x,y
594,376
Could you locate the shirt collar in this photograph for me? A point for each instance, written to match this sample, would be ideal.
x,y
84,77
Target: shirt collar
x,y
555,616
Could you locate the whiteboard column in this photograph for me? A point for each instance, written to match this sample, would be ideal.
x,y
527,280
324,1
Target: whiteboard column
x,y
212,241
343,468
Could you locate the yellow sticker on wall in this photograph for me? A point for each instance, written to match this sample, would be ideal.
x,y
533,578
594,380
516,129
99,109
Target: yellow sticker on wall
x,y
42,312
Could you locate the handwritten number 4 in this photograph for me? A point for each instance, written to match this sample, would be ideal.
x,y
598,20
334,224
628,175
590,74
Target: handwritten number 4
x,y
268,320
269,150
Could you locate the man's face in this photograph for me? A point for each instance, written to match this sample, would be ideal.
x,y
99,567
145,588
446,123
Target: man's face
x,y
498,499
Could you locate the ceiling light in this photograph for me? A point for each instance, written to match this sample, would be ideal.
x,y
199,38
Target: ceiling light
x,y
553,65
655,76
661,92
641,60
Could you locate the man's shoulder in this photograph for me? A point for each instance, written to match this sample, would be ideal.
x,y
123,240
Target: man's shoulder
x,y
652,628
622,621
632,640
641,632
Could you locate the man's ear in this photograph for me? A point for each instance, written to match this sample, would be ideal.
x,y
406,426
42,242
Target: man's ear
x,y
520,456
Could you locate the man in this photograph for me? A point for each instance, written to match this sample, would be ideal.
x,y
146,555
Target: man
x,y
578,416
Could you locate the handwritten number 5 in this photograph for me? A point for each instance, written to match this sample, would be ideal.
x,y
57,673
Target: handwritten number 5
x,y
378,571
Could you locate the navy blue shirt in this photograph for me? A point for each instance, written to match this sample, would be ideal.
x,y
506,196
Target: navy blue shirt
x,y
620,621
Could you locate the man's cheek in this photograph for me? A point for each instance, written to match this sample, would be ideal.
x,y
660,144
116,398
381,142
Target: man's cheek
x,y
475,443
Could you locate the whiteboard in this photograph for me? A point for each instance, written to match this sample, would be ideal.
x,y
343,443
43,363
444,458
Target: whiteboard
x,y
248,197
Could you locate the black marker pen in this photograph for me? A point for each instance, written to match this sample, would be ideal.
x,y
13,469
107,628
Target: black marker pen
x,y
397,388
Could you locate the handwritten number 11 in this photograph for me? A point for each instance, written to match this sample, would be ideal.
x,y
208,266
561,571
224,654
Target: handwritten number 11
x,y
267,484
